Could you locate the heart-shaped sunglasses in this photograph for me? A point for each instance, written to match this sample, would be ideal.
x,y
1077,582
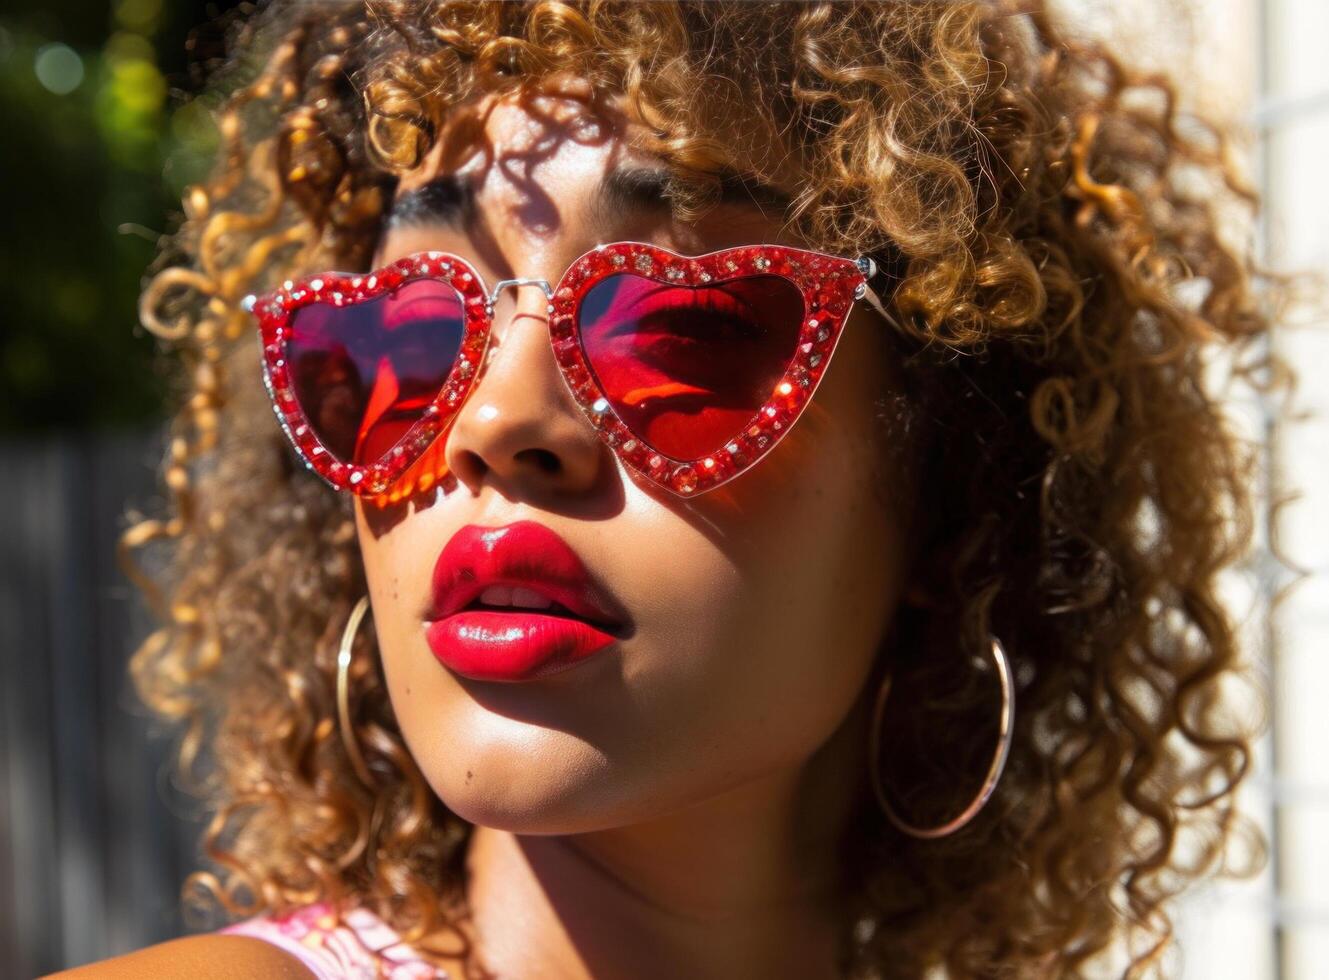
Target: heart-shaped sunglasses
x,y
691,368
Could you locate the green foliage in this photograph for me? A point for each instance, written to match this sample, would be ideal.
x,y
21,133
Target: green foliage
x,y
100,146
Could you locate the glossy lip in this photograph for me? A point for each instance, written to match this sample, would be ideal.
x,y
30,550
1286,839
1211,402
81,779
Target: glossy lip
x,y
521,644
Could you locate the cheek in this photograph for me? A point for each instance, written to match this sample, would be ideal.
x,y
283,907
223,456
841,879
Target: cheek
x,y
758,610
804,578
771,598
765,638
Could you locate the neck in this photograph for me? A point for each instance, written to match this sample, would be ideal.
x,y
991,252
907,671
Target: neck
x,y
747,883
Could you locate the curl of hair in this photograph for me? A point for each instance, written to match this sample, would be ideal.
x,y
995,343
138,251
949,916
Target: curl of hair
x,y
1041,205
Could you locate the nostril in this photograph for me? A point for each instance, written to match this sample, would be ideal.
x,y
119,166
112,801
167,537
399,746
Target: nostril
x,y
468,467
547,461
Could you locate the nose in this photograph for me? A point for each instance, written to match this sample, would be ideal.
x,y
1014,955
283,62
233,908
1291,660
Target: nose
x,y
520,428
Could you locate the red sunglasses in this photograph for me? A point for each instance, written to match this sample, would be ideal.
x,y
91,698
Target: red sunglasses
x,y
690,368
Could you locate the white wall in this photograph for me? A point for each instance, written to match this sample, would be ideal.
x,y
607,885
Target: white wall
x,y
1265,65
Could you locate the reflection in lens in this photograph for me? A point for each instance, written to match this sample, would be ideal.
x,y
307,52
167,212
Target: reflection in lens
x,y
687,367
364,374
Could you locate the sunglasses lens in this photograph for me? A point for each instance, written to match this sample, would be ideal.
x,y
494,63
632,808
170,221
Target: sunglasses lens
x,y
687,367
364,374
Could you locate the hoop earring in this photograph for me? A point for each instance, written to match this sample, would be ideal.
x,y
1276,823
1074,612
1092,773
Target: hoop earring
x,y
343,710
1005,736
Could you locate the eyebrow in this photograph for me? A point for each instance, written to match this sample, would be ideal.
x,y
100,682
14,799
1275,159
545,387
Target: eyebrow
x,y
449,200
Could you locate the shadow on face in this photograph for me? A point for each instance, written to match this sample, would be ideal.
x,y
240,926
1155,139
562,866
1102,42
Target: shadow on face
x,y
753,612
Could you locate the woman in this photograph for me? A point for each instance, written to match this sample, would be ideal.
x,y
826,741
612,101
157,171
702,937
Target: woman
x,y
694,649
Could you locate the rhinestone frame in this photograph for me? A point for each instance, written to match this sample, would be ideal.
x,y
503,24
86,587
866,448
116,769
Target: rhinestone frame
x,y
829,284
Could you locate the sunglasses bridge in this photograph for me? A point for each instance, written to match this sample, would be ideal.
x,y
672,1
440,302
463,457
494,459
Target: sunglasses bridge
x,y
492,298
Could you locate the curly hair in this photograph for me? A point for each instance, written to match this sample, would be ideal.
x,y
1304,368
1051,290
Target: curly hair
x,y
1057,230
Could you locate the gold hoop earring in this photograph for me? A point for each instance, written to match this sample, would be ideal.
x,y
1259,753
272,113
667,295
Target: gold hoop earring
x,y
1005,736
343,710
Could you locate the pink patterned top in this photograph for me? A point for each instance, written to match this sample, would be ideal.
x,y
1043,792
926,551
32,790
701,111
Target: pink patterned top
x,y
364,948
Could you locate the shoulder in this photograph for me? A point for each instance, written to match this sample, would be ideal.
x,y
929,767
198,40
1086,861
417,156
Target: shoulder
x,y
358,944
305,943
210,956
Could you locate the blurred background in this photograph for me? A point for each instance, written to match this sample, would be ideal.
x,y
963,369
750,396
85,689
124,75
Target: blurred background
x,y
95,838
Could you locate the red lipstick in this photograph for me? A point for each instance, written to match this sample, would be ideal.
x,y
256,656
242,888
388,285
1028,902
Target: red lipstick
x,y
486,620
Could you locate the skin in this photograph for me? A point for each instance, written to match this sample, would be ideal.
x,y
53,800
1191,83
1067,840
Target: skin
x,y
203,957
673,807
699,774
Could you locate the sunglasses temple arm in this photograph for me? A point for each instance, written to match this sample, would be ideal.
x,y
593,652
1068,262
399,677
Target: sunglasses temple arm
x,y
868,267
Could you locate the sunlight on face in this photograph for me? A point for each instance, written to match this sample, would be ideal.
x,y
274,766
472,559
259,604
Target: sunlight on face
x,y
752,613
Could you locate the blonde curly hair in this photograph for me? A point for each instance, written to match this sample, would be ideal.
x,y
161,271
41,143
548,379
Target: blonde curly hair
x,y
1039,204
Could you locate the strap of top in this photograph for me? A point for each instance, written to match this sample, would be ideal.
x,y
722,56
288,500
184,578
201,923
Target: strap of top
x,y
363,947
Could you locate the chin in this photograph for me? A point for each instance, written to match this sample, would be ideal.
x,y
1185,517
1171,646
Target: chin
x,y
514,786
529,817
537,808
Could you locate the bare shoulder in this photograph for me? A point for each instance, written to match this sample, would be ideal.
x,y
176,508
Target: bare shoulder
x,y
207,956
